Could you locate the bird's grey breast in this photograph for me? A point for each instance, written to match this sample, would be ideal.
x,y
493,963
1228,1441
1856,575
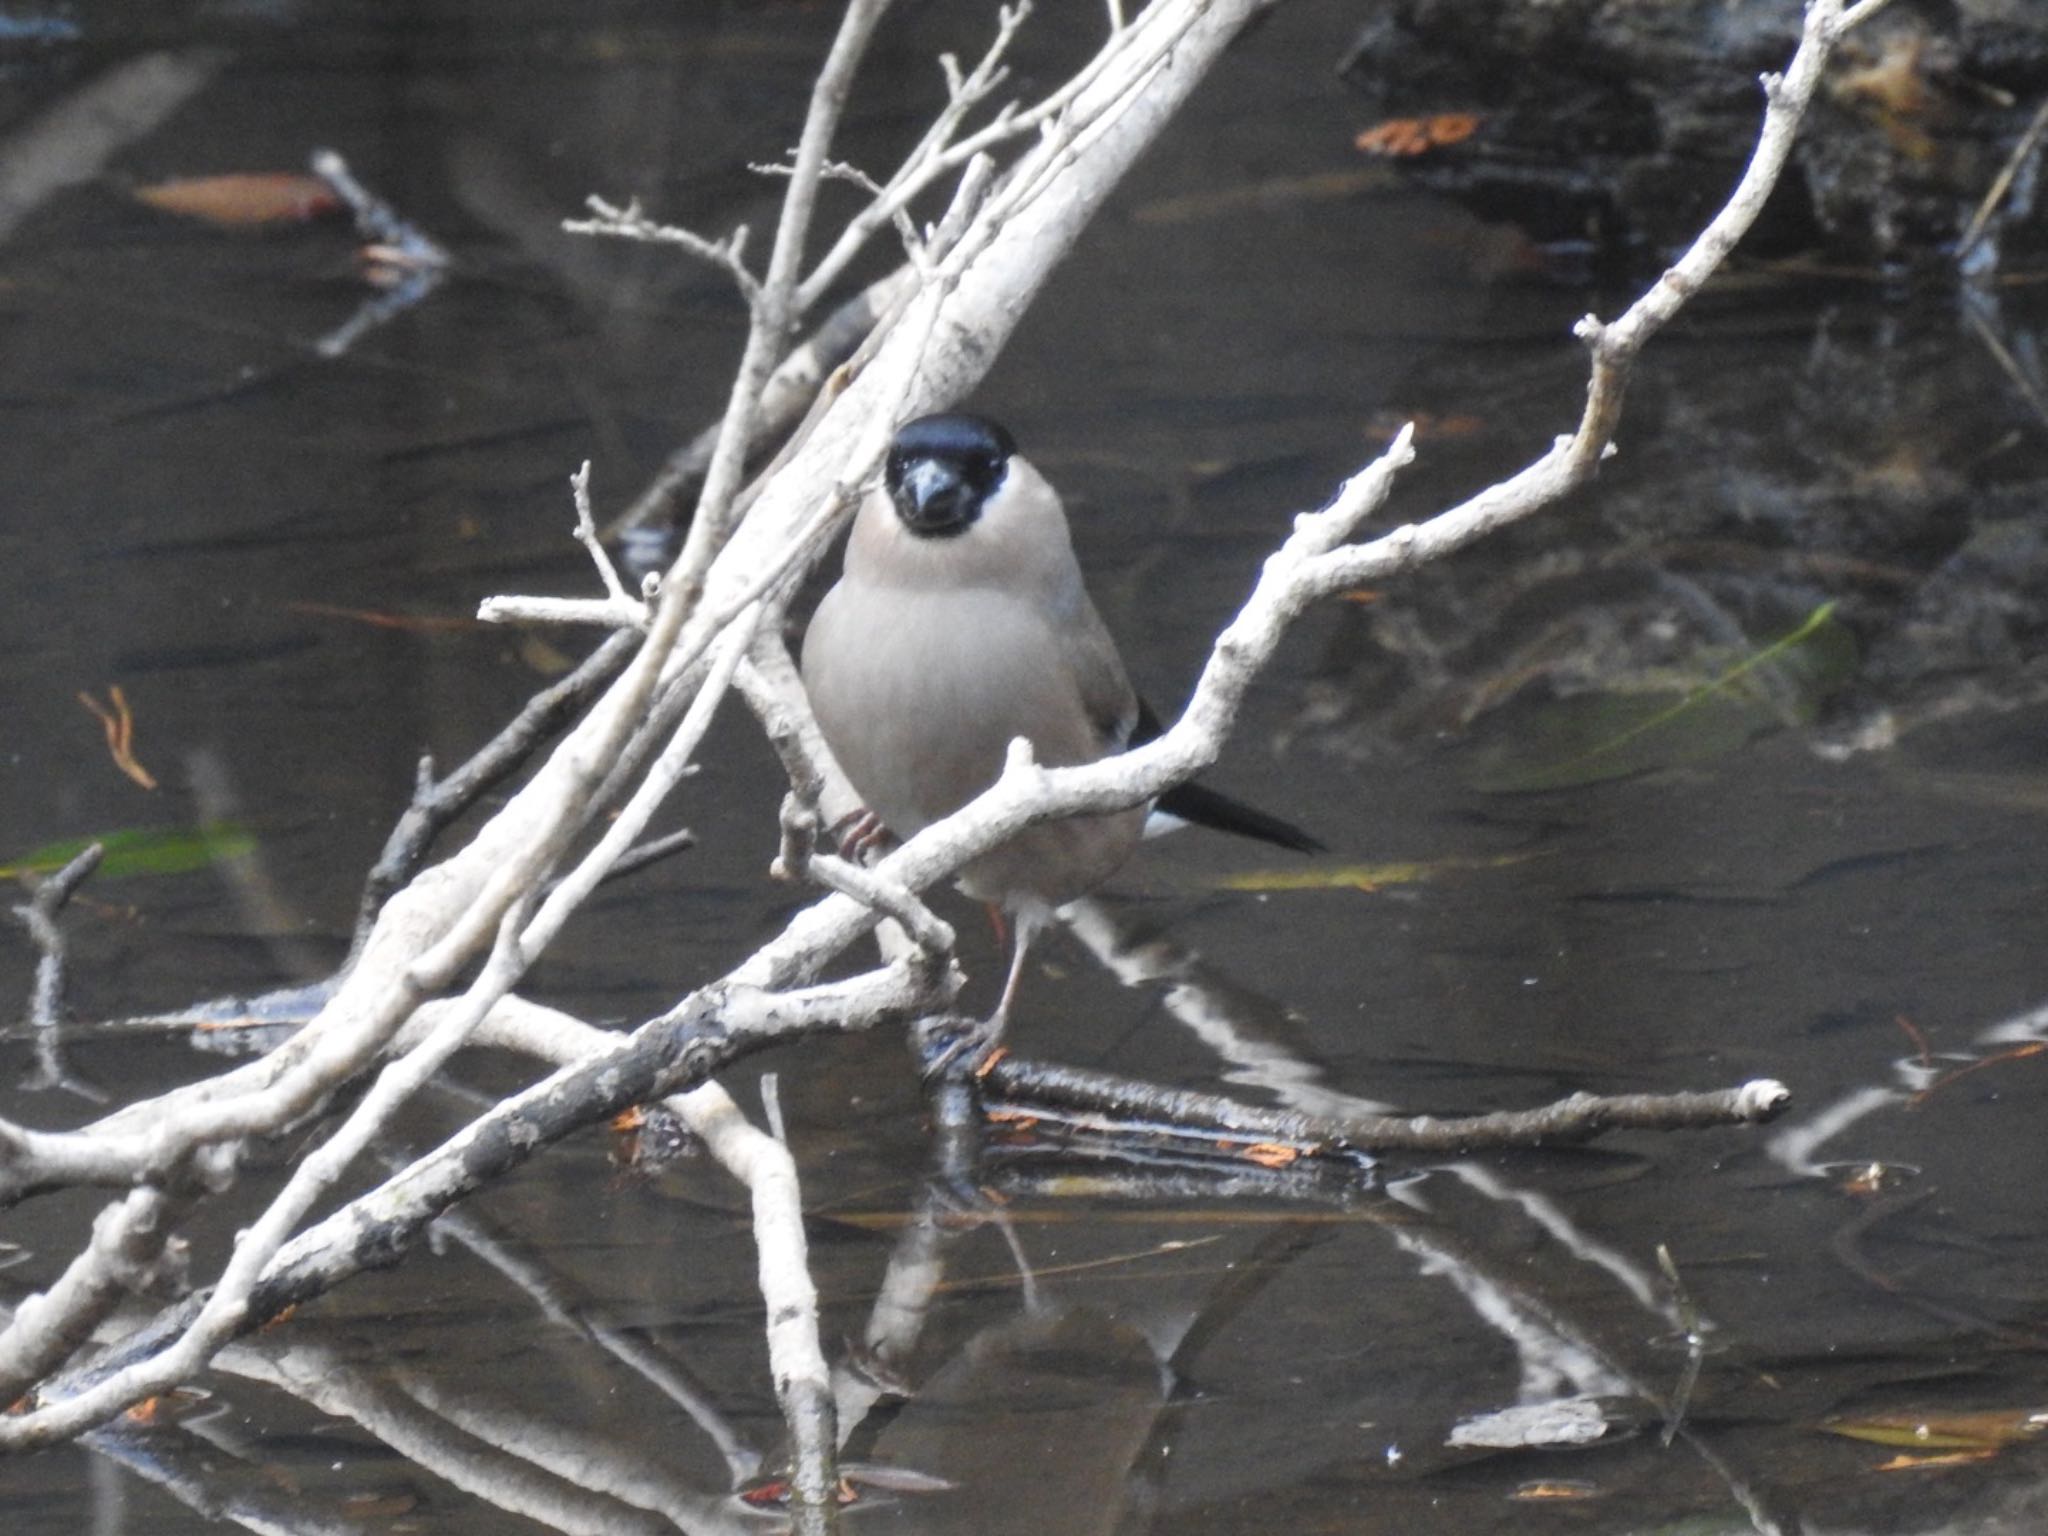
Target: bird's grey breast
x,y
920,690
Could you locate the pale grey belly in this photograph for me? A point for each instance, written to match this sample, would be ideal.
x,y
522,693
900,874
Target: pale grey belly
x,y
919,698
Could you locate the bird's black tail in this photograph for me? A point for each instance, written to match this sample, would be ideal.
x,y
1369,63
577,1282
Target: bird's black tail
x,y
1204,807
1201,806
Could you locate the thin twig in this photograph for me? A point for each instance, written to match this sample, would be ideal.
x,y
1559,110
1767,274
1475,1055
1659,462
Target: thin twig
x,y
773,310
2001,184
376,219
630,223
436,803
586,535
784,399
642,855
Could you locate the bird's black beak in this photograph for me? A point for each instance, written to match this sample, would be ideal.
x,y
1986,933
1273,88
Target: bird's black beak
x,y
932,496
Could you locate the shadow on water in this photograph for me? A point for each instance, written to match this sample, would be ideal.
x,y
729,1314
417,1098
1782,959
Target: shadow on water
x,y
1730,769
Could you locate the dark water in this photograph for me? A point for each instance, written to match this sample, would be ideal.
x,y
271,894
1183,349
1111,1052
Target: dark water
x,y
1585,868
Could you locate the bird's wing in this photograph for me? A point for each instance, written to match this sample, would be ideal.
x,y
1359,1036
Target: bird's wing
x,y
1098,671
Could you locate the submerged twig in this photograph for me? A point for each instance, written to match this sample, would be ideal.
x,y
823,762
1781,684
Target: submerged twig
x,y
401,259
1101,1103
46,1000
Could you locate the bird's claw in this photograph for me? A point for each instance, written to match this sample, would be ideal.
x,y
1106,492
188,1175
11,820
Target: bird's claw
x,y
956,1049
859,834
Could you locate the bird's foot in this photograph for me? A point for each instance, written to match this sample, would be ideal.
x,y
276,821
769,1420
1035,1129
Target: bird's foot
x,y
953,1053
955,1049
859,834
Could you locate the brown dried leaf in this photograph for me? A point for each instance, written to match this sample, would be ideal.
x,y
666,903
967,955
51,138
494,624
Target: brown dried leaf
x,y
1404,137
1272,1154
1554,1491
118,721
243,200
1903,1463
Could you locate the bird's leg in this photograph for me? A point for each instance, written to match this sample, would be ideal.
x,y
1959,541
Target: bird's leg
x,y
1029,921
968,1051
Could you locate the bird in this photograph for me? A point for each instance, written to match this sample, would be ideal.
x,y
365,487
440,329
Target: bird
x,y
961,621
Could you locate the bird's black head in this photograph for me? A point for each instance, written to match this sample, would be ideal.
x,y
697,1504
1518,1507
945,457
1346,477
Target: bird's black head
x,y
942,469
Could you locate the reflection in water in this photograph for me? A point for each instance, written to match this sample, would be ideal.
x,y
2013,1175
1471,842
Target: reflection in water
x,y
1235,1025
73,142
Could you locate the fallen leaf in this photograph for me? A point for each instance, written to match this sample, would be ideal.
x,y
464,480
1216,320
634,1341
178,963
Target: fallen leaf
x,y
776,1493
1361,877
1915,1463
142,851
177,1403
1405,137
1271,1154
118,721
1554,1490
1982,1432
243,200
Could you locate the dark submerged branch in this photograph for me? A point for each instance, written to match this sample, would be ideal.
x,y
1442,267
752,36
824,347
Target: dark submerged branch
x,y
1096,1102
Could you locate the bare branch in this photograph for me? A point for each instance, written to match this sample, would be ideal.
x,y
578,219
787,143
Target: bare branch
x,y
130,1249
929,159
773,310
630,223
226,1311
376,219
803,1381
586,535
435,804
784,399
800,860
1093,1101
